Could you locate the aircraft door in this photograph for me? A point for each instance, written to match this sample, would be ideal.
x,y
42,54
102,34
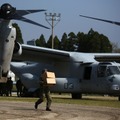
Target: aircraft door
x,y
102,83
86,79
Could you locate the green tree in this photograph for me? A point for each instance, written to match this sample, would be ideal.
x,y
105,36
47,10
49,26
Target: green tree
x,y
56,43
18,33
69,42
106,45
72,41
82,39
49,42
93,42
64,40
41,41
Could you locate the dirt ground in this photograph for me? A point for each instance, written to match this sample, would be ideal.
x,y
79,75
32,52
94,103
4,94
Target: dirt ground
x,y
25,111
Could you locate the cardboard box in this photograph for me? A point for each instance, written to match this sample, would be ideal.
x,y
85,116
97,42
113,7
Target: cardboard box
x,y
49,75
51,81
49,78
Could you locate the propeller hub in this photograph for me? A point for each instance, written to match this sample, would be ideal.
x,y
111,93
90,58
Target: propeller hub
x,y
7,11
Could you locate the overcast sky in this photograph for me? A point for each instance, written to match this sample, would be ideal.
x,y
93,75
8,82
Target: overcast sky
x,y
70,19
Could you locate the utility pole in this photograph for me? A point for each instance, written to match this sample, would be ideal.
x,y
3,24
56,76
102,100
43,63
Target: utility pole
x,y
52,20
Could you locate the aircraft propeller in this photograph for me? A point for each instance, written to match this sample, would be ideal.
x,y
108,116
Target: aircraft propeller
x,y
7,12
108,21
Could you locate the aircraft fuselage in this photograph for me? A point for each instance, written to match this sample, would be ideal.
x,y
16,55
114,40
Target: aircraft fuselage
x,y
98,78
95,78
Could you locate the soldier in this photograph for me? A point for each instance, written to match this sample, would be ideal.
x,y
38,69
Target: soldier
x,y
9,85
19,87
44,89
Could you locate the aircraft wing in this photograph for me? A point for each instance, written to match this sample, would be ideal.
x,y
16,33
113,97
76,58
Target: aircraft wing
x,y
47,55
107,57
40,54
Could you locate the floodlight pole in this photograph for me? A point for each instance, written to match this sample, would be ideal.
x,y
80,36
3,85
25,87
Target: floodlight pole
x,y
50,18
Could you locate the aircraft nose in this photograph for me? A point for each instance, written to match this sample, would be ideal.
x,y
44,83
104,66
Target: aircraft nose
x,y
115,87
115,80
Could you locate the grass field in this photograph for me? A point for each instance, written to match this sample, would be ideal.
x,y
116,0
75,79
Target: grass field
x,y
105,101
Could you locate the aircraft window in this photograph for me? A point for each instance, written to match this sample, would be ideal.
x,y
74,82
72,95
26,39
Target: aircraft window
x,y
101,71
87,73
111,70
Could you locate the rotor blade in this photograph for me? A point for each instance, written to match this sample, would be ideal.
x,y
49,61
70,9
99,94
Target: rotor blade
x,y
29,21
25,12
108,21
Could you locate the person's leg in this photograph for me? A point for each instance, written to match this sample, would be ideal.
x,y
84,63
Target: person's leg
x,y
39,101
49,101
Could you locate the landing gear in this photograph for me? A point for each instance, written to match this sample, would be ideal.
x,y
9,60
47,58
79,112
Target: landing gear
x,y
76,95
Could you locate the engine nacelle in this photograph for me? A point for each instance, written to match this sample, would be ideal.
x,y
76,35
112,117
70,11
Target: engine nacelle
x,y
17,49
7,11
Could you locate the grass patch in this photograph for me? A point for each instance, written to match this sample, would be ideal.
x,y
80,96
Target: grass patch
x,y
87,100
22,99
90,102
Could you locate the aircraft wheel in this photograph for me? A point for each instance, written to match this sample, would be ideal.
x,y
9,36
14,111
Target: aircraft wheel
x,y
76,96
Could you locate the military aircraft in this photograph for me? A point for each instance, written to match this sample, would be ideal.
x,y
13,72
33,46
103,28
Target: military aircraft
x,y
8,44
76,73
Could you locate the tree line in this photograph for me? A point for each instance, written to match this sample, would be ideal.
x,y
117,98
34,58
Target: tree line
x,y
81,42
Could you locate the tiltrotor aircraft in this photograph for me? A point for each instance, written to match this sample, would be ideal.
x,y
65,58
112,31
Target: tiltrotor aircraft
x,y
76,73
8,44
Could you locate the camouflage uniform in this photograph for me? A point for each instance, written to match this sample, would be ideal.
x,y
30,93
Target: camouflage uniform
x,y
44,89
48,97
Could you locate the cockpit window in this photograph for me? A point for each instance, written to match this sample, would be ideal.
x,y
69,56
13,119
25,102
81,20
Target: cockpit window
x,y
101,71
112,70
104,71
